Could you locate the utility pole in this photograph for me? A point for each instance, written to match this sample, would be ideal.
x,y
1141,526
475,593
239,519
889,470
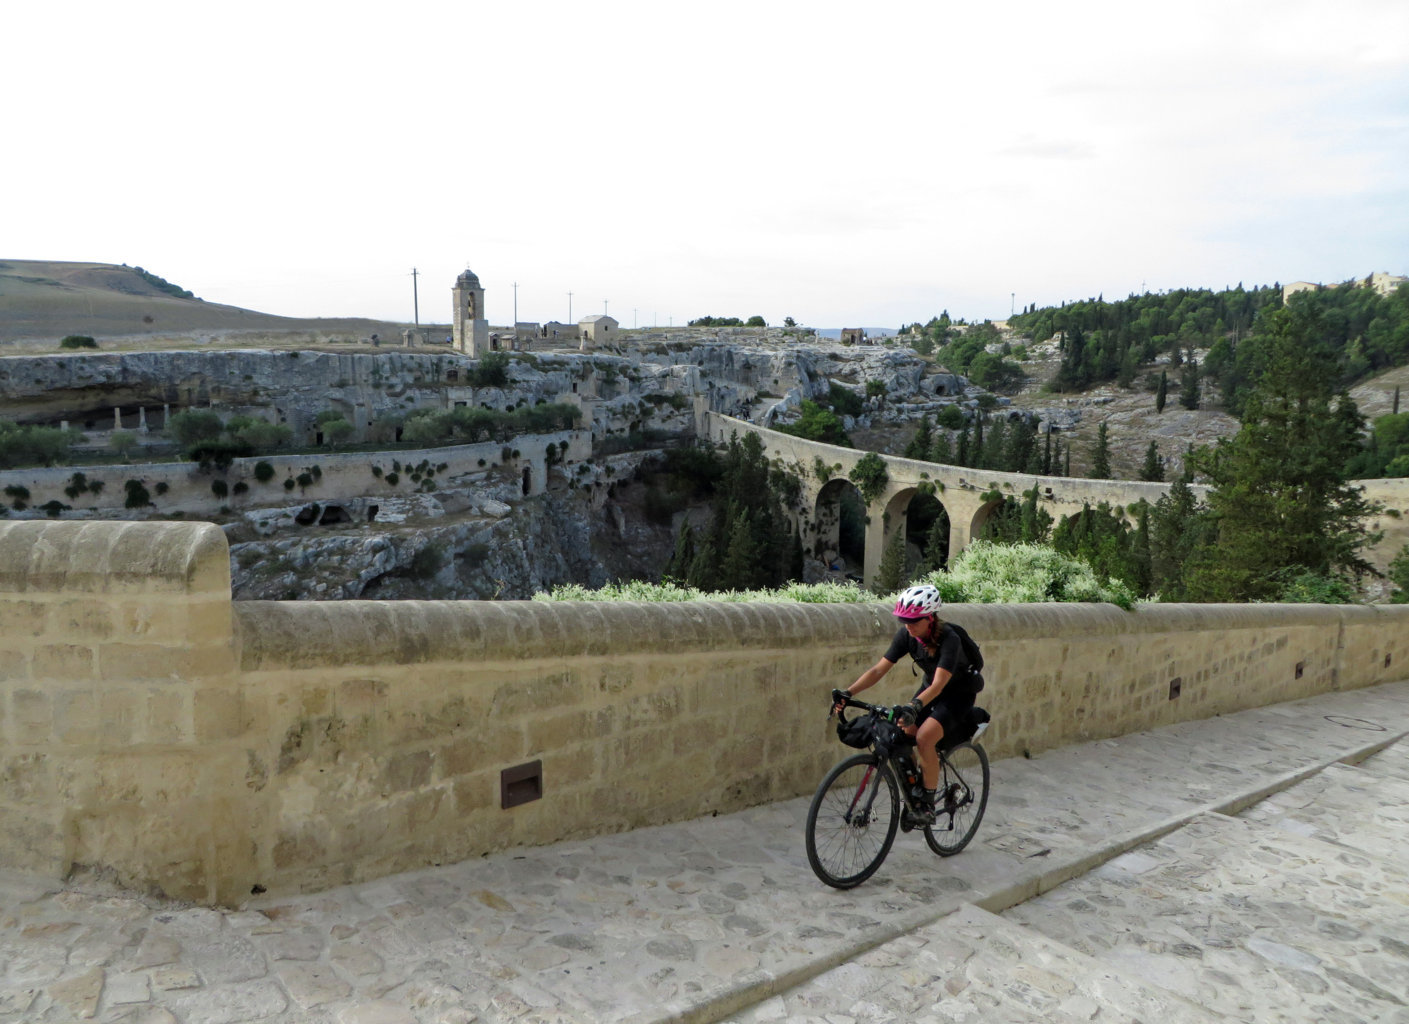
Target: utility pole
x,y
415,297
569,307
633,318
516,308
1012,303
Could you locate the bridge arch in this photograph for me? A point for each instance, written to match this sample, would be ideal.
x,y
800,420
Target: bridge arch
x,y
962,490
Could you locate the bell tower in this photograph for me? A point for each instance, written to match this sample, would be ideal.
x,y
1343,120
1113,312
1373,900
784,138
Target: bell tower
x,y
470,327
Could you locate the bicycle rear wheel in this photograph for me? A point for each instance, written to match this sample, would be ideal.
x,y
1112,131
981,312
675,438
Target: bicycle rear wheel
x,y
960,799
852,821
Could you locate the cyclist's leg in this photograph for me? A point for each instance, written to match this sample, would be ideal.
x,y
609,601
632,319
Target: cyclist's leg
x,y
927,737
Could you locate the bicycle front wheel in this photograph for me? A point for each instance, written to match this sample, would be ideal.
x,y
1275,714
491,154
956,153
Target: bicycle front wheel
x,y
852,821
960,799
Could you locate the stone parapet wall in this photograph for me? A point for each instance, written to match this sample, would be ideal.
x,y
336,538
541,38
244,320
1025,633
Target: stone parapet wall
x,y
117,691
155,733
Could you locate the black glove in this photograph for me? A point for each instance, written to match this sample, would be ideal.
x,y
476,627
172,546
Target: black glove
x,y
839,698
909,713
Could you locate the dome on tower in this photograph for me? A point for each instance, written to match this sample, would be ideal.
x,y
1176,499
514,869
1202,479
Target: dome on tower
x,y
467,280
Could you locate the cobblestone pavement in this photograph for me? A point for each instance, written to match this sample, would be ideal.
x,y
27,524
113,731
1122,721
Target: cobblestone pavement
x,y
1155,908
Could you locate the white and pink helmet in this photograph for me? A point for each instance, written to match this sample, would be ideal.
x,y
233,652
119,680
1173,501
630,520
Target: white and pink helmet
x,y
918,602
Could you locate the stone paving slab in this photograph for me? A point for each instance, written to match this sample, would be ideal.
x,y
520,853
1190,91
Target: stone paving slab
x,y
1390,763
973,967
1252,922
686,922
1356,808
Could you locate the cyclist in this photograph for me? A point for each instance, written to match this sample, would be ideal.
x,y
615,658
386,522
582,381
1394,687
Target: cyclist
x,y
946,692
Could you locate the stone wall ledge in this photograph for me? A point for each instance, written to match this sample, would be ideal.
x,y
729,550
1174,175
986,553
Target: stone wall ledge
x,y
57,556
282,634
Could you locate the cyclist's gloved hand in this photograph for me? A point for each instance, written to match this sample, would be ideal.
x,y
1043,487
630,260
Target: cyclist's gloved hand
x,y
909,713
839,698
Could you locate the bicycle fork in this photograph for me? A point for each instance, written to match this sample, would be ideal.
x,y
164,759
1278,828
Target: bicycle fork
x,y
870,781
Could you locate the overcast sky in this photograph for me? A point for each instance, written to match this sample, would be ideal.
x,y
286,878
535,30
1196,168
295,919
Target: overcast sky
x,y
844,164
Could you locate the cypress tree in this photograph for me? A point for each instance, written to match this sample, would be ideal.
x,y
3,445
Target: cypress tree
x,y
1153,469
890,574
1101,459
1189,390
1162,395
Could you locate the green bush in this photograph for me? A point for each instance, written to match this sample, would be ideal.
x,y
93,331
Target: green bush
x,y
78,341
986,573
263,472
219,488
428,561
218,454
870,476
137,496
192,426
638,590
34,446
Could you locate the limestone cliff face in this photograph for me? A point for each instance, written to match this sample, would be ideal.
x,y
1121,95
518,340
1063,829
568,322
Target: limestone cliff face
x,y
544,542
477,543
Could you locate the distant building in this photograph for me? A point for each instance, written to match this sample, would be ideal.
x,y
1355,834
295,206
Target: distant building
x,y
1383,284
597,330
853,336
470,327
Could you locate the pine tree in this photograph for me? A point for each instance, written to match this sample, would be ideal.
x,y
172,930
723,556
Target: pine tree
x,y
919,445
1280,496
1101,459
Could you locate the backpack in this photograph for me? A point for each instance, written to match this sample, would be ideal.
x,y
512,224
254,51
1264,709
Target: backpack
x,y
971,653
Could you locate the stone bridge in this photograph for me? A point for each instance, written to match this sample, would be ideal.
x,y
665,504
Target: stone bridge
x,y
970,497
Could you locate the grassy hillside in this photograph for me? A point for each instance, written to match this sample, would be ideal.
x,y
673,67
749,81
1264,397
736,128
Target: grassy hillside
x,y
42,301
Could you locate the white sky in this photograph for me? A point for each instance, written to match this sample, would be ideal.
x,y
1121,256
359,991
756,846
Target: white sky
x,y
861,164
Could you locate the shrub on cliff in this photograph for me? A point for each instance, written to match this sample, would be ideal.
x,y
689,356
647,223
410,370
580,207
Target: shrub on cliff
x,y
34,446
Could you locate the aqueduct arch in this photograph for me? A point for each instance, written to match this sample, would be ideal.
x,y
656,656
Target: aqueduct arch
x,y
969,497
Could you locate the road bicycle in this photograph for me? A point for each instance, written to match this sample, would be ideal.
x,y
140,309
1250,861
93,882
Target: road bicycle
x,y
865,799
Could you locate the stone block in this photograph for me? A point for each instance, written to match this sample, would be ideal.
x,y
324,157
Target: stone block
x,y
14,664
62,662
407,771
23,619
76,716
132,662
217,712
166,714
32,717
82,620
527,694
118,716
